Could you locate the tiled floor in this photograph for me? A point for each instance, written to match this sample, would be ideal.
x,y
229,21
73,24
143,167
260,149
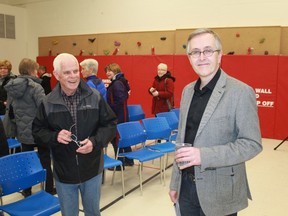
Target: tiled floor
x,y
267,173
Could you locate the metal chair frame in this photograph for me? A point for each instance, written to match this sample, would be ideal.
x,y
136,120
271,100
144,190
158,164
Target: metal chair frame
x,y
113,163
133,134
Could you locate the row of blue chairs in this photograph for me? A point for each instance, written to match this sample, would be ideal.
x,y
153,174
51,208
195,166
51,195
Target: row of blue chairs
x,y
141,130
136,112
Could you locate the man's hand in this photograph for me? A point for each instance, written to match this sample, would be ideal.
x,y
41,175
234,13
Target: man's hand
x,y
173,196
64,136
86,148
189,154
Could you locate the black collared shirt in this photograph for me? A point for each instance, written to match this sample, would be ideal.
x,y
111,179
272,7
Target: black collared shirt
x,y
197,107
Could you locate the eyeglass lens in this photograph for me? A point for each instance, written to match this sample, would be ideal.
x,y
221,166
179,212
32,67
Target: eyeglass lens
x,y
206,53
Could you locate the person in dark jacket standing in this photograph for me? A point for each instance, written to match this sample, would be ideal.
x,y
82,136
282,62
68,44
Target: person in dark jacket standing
x,y
117,97
5,76
25,95
46,79
162,90
4,149
76,123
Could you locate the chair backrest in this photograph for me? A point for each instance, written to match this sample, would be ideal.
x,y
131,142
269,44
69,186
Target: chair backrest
x,y
171,119
131,133
19,171
176,111
135,112
13,143
157,128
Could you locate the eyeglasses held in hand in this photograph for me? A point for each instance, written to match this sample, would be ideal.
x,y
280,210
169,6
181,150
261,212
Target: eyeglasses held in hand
x,y
74,137
206,53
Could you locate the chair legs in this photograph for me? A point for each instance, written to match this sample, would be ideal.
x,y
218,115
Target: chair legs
x,y
140,177
162,174
122,179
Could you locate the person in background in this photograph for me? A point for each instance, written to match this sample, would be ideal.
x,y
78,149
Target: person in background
x,y
162,90
4,149
76,122
219,117
46,79
89,69
117,98
25,95
5,76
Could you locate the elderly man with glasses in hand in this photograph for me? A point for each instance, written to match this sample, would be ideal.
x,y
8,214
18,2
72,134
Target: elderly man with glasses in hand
x,y
76,122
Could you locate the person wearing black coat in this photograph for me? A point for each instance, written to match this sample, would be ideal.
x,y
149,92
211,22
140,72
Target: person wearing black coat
x,y
5,76
4,149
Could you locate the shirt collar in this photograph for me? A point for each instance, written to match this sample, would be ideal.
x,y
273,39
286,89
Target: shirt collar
x,y
211,85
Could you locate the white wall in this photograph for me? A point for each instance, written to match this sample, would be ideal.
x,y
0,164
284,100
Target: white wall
x,y
68,17
15,50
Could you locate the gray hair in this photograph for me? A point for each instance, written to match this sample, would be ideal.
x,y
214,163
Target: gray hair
x,y
90,63
58,61
201,31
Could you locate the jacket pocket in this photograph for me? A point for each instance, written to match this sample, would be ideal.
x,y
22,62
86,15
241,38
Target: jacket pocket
x,y
225,184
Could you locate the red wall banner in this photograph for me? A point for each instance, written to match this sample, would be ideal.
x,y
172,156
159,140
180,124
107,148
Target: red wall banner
x,y
268,75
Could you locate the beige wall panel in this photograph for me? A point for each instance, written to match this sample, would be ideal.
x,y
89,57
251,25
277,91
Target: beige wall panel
x,y
72,44
236,40
284,41
129,43
104,43
239,39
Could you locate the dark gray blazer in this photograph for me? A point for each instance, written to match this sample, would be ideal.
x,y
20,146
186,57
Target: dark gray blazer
x,y
228,135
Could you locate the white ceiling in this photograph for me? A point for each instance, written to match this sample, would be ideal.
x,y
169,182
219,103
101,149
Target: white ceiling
x,y
20,3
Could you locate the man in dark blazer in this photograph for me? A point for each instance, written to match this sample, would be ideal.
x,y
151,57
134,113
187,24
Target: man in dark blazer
x,y
218,116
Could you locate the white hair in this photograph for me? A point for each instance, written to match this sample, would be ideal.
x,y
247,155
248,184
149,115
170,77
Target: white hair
x,y
90,63
58,61
163,66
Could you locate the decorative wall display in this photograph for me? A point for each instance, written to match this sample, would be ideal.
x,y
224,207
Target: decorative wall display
x,y
91,40
237,39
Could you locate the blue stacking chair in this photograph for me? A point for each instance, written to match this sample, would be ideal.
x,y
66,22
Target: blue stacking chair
x,y
176,111
135,112
13,144
20,171
157,128
133,134
113,163
172,121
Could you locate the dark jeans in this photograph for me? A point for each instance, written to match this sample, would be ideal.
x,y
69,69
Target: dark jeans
x,y
45,159
188,200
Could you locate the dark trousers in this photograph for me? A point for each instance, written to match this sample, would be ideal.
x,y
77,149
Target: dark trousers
x,y
188,200
45,159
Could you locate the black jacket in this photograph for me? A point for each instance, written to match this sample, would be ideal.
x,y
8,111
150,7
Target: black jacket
x,y
3,92
95,120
